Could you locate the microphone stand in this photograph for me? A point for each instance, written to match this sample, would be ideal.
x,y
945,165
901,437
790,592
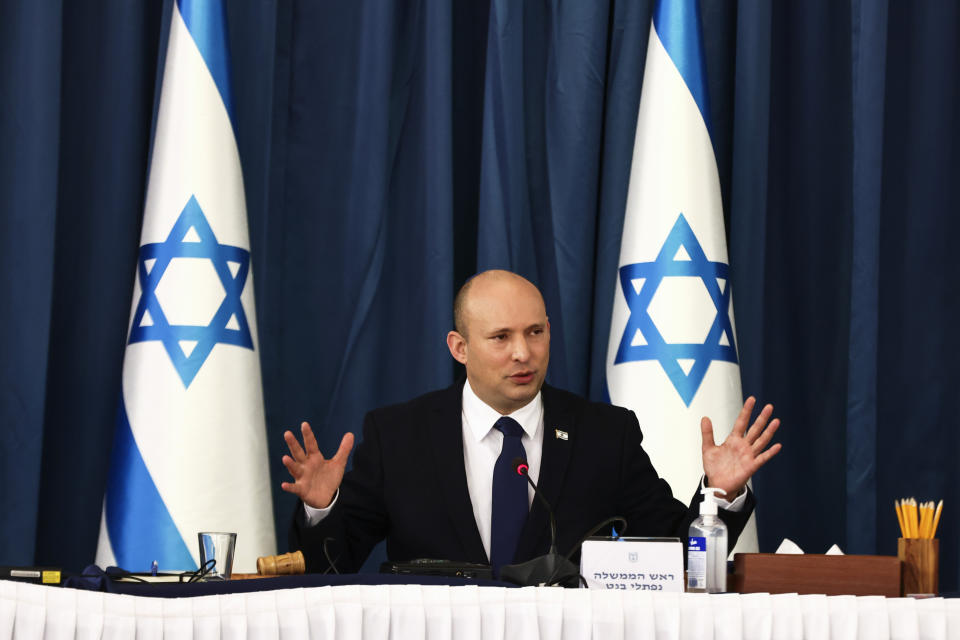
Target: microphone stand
x,y
548,570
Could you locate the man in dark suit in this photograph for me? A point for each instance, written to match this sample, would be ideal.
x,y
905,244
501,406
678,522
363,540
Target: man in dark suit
x,y
435,476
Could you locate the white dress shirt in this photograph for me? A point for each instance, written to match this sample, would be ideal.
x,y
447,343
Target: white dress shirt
x,y
482,443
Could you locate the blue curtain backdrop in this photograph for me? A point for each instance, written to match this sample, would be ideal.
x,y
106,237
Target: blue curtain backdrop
x,y
391,149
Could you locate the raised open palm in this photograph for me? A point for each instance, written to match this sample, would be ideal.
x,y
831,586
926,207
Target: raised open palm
x,y
728,466
315,478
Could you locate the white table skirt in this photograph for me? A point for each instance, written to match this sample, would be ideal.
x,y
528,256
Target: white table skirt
x,y
405,612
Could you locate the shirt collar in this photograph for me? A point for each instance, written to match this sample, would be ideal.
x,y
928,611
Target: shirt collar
x,y
481,417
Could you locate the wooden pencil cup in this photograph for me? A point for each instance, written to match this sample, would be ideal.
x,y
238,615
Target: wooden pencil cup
x,y
921,565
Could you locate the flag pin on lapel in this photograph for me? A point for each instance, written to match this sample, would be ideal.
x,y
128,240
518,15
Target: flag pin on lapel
x,y
561,435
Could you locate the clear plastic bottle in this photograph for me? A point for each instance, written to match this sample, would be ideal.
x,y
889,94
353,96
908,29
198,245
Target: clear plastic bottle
x,y
707,548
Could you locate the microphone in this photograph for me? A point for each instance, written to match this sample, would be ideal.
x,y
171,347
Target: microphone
x,y
545,570
522,468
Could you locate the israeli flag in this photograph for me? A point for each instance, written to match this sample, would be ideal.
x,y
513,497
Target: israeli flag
x,y
190,452
672,356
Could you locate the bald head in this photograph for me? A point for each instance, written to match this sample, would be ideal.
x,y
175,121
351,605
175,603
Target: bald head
x,y
490,278
502,337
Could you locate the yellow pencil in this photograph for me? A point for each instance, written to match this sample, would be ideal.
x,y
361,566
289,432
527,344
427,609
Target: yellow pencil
x,y
936,520
896,505
922,520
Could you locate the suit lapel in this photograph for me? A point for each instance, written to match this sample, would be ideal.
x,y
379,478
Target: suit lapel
x,y
445,425
558,420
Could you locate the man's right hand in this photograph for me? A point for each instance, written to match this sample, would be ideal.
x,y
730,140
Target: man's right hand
x,y
315,478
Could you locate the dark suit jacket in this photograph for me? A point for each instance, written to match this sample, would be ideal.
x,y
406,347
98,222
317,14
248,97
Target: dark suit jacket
x,y
408,485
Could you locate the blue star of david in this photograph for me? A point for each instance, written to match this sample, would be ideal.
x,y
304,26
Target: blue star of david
x,y
206,337
719,342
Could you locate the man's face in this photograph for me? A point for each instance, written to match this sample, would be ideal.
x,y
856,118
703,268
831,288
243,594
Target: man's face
x,y
506,342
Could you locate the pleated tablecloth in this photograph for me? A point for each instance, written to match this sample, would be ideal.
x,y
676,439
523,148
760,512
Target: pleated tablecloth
x,y
410,612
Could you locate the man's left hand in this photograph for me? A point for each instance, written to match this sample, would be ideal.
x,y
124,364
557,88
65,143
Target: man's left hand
x,y
729,465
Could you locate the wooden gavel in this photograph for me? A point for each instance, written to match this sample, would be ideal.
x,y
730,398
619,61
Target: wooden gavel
x,y
282,565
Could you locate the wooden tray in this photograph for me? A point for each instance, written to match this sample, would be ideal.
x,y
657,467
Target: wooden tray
x,y
808,573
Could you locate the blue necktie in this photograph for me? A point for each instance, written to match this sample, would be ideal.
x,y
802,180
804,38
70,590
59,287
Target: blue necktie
x,y
509,496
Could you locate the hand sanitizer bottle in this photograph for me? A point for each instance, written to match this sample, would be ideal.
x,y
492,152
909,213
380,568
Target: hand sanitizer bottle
x,y
707,548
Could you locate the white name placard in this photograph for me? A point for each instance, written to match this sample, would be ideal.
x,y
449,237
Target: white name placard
x,y
633,564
